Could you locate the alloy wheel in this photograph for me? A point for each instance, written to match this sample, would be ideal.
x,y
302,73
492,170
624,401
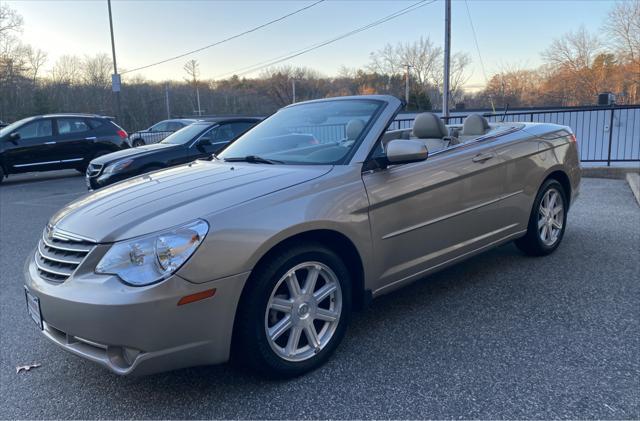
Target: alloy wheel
x,y
550,217
303,311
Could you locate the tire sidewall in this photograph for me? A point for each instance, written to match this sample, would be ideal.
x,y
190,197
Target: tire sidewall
x,y
533,222
267,360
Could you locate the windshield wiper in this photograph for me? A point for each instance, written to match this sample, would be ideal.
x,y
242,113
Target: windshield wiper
x,y
254,159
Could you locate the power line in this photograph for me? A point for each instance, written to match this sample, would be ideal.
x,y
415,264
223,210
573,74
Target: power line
x,y
475,39
267,63
226,39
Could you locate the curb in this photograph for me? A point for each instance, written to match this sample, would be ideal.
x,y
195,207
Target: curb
x,y
608,172
634,183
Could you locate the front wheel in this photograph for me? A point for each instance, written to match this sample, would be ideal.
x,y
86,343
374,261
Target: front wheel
x,y
547,221
295,312
138,142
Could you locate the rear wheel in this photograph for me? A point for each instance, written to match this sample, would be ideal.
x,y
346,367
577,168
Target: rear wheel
x,y
295,312
547,222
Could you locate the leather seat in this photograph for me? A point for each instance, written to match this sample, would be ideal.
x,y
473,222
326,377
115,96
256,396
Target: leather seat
x,y
431,130
474,126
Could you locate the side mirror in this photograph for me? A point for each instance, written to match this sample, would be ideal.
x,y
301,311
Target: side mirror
x,y
403,151
14,137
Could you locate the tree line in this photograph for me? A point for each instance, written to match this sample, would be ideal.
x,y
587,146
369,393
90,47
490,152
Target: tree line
x,y
577,66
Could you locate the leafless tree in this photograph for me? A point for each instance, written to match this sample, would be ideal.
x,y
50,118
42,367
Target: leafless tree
x,y
623,28
67,70
36,59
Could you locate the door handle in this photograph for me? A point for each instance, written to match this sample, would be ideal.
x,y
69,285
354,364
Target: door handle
x,y
50,143
482,157
90,138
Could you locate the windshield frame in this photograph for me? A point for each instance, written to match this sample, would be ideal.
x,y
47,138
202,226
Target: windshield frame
x,y
346,159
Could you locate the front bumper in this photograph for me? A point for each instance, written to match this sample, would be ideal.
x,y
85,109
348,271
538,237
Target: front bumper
x,y
137,330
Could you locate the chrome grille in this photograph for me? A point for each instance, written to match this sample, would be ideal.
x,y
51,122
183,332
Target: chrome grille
x,y
58,257
93,170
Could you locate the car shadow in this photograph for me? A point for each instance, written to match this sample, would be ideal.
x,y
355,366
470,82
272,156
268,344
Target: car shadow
x,y
35,177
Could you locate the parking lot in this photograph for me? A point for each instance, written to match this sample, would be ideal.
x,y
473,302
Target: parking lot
x,y
499,336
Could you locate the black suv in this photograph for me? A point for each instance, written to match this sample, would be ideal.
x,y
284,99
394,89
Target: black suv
x,y
57,141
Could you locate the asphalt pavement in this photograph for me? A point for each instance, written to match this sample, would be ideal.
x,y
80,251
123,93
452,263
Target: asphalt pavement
x,y
498,336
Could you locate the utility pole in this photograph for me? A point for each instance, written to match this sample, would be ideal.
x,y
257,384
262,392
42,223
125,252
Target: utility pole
x,y
293,89
115,79
406,85
166,100
198,99
447,59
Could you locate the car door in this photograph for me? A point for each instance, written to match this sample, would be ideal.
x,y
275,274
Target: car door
x,y
156,133
73,141
424,215
32,150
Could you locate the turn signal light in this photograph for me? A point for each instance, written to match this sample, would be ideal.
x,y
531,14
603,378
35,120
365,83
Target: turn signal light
x,y
187,299
572,138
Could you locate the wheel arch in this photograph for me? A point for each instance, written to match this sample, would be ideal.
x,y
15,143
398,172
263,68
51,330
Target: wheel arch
x,y
334,240
561,177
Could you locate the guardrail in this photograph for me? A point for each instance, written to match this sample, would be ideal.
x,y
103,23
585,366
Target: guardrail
x,y
605,134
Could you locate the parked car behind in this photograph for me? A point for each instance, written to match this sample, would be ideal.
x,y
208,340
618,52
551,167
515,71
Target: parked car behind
x,y
198,140
3,124
158,131
57,141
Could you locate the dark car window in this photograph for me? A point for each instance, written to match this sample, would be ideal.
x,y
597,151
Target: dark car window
x,y
95,123
241,127
72,125
38,128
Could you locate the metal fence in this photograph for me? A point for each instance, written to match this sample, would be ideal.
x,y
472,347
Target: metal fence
x,y
147,138
605,134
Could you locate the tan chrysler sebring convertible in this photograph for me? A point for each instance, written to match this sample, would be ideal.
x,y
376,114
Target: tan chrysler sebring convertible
x,y
261,253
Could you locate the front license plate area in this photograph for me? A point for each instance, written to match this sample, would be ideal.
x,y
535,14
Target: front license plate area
x,y
33,308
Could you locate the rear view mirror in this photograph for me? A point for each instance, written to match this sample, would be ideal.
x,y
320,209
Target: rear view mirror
x,y
402,151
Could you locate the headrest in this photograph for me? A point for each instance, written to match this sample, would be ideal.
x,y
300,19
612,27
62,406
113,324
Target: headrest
x,y
429,125
475,124
354,128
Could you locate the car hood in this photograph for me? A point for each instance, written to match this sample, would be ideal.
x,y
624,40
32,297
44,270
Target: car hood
x,y
164,199
133,153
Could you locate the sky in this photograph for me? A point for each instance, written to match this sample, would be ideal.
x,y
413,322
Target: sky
x,y
509,33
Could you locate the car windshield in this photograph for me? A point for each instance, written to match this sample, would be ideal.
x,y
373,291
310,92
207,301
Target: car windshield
x,y
313,133
13,126
185,134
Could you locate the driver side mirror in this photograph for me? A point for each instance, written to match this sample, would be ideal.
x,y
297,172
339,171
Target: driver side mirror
x,y
14,137
404,151
203,143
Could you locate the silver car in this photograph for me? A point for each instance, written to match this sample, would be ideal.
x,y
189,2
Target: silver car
x,y
263,252
158,131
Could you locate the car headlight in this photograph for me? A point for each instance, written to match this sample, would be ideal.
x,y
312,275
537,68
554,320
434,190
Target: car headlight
x,y
152,258
118,166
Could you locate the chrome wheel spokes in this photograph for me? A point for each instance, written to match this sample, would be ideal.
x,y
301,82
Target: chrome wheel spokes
x,y
550,217
303,311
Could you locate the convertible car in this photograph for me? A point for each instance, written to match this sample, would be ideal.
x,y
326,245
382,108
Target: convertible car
x,y
261,254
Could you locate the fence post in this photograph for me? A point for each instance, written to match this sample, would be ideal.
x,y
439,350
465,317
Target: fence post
x,y
610,135
531,117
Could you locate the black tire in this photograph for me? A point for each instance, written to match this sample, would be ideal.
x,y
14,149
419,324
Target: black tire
x,y
532,243
252,348
137,142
